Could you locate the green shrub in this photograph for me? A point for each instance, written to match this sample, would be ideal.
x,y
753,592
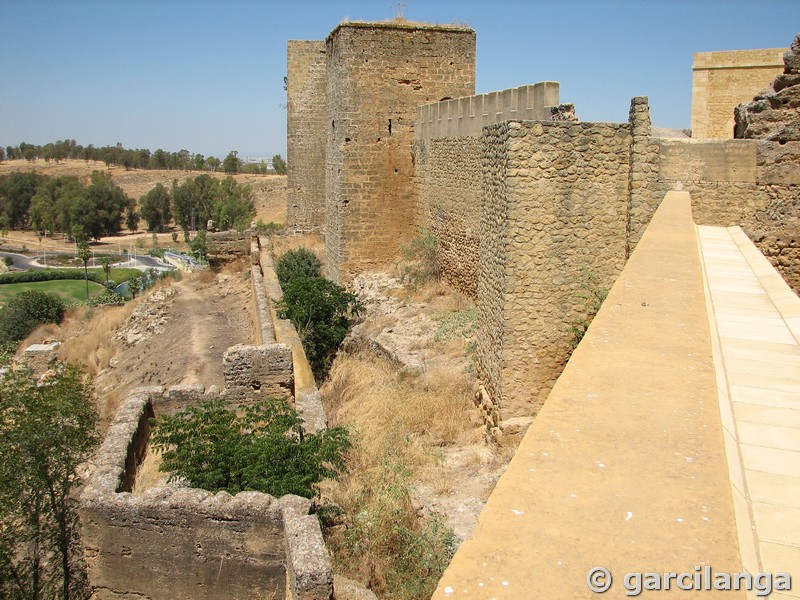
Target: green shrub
x,y
107,298
26,311
593,296
262,447
294,264
322,312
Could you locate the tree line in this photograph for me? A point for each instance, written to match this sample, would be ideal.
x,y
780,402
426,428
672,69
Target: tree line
x,y
84,210
139,158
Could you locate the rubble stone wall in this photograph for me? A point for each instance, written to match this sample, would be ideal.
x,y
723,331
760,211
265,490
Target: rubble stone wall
x,y
185,543
306,118
553,221
378,74
450,180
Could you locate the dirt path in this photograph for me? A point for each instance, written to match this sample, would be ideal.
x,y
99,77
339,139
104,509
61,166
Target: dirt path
x,y
178,335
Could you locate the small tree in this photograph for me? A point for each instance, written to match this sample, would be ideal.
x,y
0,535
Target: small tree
x,y
231,163
105,262
278,164
47,431
323,313
261,447
84,252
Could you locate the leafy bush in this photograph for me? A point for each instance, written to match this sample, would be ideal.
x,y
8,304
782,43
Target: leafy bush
x,y
261,447
26,311
156,252
294,264
322,312
107,298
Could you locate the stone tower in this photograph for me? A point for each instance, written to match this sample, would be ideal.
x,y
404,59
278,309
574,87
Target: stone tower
x,y
376,75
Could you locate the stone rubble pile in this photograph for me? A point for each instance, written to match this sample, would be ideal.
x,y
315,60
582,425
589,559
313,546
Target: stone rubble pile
x,y
148,319
774,114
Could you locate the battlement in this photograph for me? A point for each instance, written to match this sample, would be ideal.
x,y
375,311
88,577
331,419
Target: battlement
x,y
462,117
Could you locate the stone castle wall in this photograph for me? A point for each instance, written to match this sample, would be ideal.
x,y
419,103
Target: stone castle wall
x,y
722,80
447,158
554,218
562,205
377,76
306,118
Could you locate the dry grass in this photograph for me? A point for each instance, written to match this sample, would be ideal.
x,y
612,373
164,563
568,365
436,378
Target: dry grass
x,y
400,422
149,473
379,402
311,241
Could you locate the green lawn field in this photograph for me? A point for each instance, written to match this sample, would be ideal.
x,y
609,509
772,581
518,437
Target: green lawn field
x,y
68,289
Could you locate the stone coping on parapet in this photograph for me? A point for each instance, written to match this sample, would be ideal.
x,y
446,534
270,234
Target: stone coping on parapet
x,y
739,59
624,468
467,115
400,25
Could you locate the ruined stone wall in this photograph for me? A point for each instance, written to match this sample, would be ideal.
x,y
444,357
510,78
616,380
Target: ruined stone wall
x,y
306,117
185,543
378,74
553,220
721,80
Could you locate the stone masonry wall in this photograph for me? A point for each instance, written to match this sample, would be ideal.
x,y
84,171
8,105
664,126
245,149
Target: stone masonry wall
x,y
721,80
553,220
377,76
447,159
306,118
450,180
183,543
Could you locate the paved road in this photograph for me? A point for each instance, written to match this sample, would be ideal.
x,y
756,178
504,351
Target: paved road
x,y
20,261
23,263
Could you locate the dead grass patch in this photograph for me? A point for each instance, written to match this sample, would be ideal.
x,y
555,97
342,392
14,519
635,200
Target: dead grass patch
x,y
312,241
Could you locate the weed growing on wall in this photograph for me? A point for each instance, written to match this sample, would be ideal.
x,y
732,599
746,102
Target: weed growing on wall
x,y
593,296
261,447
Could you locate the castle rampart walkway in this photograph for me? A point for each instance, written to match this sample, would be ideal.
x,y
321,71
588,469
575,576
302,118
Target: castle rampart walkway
x,y
755,326
625,466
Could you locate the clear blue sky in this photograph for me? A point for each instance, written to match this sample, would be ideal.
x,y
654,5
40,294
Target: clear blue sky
x,y
208,76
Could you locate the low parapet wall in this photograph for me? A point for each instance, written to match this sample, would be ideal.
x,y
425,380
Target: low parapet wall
x,y
459,117
185,543
307,400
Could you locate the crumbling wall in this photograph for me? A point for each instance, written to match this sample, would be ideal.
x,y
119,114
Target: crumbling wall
x,y
174,542
227,246
378,74
306,118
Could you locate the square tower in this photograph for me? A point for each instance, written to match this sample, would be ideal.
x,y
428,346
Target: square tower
x,y
377,75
